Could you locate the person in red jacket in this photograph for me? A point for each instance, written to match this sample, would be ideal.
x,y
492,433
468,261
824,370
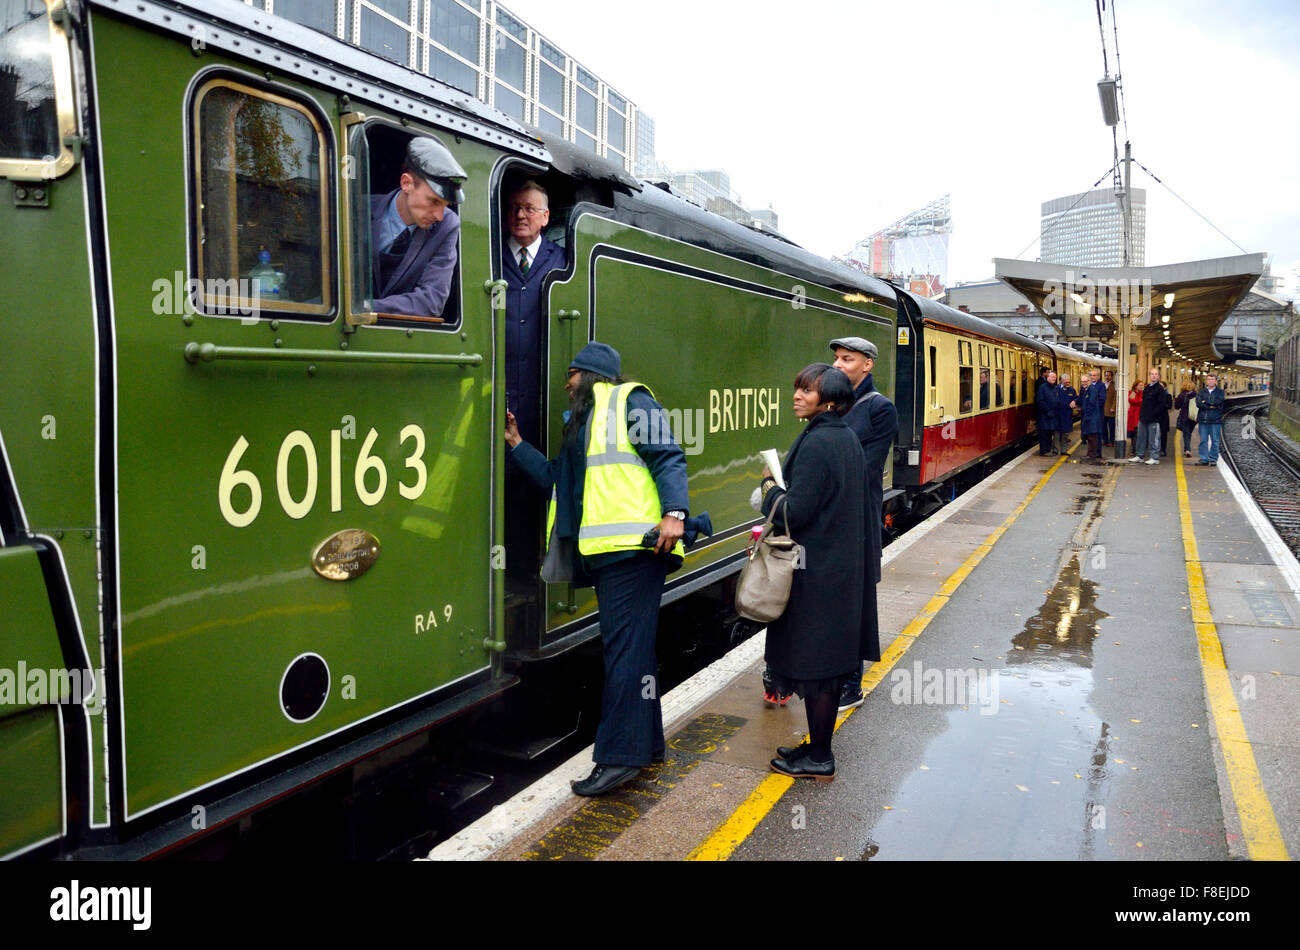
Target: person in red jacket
x,y
1134,408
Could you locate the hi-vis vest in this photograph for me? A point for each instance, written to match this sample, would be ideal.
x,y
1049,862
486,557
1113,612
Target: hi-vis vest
x,y
619,500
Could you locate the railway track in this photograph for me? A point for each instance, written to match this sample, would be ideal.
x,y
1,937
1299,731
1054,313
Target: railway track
x,y
1272,478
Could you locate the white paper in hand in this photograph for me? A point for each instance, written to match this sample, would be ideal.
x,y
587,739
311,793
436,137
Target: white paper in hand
x,y
773,462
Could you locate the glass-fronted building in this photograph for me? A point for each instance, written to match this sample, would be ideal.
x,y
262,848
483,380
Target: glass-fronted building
x,y
1087,230
478,46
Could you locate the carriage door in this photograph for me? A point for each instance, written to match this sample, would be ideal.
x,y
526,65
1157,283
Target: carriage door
x,y
304,488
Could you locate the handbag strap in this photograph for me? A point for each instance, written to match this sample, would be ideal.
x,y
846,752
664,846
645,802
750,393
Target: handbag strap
x,y
772,514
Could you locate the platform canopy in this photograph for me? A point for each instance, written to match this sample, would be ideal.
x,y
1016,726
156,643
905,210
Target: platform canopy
x,y
1176,308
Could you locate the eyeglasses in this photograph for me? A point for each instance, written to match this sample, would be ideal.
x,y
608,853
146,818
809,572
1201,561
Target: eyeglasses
x,y
527,209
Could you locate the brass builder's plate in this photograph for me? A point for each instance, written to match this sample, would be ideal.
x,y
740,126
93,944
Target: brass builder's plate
x,y
345,555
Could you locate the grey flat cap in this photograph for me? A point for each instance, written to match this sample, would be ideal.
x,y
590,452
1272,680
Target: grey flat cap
x,y
430,159
857,344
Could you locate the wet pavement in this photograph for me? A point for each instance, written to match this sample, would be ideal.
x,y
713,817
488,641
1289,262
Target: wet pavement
x,y
1054,707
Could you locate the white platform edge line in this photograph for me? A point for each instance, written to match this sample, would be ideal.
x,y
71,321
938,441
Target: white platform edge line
x,y
1282,557
499,827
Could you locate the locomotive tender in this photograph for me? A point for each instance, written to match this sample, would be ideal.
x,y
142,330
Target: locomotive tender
x,y
251,535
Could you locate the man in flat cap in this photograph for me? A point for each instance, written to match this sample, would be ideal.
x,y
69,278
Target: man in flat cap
x,y
874,420
415,235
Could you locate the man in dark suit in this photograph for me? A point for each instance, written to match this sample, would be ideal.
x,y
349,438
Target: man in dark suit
x,y
415,234
526,258
874,420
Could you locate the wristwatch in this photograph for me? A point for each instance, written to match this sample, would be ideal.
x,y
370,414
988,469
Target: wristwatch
x,y
679,515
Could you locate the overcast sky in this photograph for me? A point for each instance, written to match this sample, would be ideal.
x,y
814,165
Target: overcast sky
x,y
848,115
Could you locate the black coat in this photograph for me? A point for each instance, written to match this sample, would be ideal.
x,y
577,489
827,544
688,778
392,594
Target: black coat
x,y
1156,403
874,420
1048,398
818,635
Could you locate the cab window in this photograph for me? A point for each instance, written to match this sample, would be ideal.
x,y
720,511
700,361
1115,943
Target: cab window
x,y
262,203
402,273
36,108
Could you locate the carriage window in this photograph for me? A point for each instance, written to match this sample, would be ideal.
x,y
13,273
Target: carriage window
x,y
263,204
965,376
36,111
1011,390
984,376
934,379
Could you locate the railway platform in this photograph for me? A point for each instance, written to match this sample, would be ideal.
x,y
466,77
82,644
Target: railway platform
x,y
1082,662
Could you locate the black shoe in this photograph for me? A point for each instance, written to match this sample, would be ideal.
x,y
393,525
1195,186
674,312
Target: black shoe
x,y
657,758
1203,462
804,767
792,752
850,696
605,778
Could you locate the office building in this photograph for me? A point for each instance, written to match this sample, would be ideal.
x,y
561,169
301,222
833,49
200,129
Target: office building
x,y
478,46
1087,230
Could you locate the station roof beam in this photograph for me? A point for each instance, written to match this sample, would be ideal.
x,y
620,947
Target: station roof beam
x,y
1175,307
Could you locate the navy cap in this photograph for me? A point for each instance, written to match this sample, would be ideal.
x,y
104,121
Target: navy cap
x,y
857,345
430,160
599,358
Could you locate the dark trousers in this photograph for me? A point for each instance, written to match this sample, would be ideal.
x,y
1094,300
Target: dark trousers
x,y
1110,430
631,727
1094,445
1044,440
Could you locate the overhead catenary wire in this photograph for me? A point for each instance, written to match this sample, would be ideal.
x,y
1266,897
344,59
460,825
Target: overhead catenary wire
x,y
1155,178
1101,28
1119,71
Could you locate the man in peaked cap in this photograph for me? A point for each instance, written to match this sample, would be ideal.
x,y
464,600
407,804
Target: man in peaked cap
x,y
874,420
415,234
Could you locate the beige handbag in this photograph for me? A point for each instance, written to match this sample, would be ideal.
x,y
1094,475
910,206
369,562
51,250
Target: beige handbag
x,y
764,584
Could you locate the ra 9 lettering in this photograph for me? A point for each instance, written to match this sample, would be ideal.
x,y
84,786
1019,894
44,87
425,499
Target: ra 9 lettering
x,y
239,490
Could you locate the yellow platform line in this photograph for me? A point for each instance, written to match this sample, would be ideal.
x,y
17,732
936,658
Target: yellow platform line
x,y
1258,824
729,835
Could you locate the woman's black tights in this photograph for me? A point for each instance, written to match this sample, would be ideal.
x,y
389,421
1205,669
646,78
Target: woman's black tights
x,y
821,710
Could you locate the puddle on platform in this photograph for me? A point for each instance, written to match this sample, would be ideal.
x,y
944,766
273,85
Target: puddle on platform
x,y
1027,778
1065,625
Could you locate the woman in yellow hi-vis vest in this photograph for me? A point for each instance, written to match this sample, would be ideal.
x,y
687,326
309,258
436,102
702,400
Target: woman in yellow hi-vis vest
x,y
620,477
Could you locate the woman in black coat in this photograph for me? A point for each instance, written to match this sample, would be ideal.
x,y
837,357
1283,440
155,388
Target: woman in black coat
x,y
814,644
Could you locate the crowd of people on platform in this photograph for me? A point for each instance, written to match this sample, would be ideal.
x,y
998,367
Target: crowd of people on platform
x,y
1148,425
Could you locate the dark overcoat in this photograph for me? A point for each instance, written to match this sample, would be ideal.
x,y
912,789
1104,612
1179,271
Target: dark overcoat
x,y
1064,411
1094,409
524,335
1048,396
874,420
818,635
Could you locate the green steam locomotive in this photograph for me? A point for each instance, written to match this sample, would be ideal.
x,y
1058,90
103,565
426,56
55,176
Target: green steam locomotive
x,y
252,534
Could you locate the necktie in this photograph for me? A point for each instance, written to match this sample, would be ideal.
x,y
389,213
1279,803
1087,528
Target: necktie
x,y
401,243
523,260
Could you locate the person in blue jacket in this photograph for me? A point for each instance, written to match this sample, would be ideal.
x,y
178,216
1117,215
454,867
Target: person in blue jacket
x,y
415,235
526,258
1093,425
1066,398
1209,416
603,535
